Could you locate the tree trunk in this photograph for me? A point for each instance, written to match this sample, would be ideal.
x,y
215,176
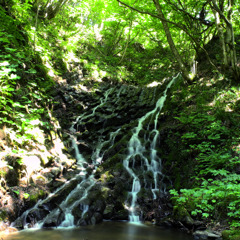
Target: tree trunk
x,y
171,43
230,49
51,10
128,41
222,40
228,41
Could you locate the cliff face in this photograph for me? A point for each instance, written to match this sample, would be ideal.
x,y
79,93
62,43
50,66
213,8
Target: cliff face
x,y
109,164
101,128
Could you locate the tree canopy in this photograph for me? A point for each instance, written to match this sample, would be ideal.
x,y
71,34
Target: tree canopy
x,y
169,36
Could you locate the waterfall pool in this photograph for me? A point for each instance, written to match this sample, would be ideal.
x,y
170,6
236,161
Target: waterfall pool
x,y
103,231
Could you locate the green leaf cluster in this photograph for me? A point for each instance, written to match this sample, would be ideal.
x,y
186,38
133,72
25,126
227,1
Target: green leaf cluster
x,y
215,191
23,92
215,199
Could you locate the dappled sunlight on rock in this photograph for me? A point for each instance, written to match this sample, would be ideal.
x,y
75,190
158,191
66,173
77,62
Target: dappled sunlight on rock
x,y
31,164
154,84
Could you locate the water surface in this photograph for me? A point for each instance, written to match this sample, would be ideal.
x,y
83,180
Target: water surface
x,y
103,231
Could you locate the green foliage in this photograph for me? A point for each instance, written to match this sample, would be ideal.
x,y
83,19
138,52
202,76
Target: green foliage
x,y
232,234
26,195
214,199
23,99
16,192
3,215
210,140
215,192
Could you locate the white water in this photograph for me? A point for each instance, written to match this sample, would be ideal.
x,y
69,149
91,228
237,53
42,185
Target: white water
x,y
68,207
98,153
82,189
24,216
84,209
88,182
137,149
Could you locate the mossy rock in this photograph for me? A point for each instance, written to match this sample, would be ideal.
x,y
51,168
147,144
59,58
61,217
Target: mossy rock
x,y
105,192
113,161
231,235
3,215
106,177
145,193
120,215
46,161
119,167
35,196
181,214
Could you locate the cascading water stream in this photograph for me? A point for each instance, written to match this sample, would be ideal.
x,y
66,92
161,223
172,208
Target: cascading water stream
x,y
82,189
98,153
137,149
83,117
68,206
90,181
142,156
40,204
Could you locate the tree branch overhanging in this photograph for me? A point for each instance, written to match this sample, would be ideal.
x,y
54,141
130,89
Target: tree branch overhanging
x,y
182,27
216,8
194,18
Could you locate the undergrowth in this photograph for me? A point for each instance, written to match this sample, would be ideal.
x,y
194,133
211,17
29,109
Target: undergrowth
x,y
24,98
211,134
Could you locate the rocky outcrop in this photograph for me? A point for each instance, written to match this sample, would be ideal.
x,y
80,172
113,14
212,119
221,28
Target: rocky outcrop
x,y
96,123
103,121
201,235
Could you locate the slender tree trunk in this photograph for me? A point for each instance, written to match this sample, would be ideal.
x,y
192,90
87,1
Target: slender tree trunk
x,y
128,41
228,41
52,10
170,41
222,40
36,28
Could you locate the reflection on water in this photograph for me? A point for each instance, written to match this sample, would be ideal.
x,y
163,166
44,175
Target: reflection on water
x,y
104,231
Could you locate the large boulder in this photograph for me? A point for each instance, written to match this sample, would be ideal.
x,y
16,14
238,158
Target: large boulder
x,y
207,235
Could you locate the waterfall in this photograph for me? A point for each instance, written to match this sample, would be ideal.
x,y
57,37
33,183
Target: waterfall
x,y
141,157
88,182
99,153
68,206
150,162
81,191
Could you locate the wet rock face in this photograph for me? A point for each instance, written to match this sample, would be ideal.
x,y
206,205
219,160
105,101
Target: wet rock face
x,y
124,103
207,235
103,124
96,129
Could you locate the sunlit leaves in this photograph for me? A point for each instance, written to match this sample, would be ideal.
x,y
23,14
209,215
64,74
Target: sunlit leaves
x,y
215,193
22,99
205,201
